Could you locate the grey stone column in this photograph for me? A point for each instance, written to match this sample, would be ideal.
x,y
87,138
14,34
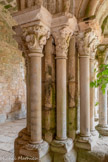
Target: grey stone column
x,y
28,94
35,43
35,97
84,96
92,96
35,30
61,98
96,115
87,43
102,108
62,38
102,127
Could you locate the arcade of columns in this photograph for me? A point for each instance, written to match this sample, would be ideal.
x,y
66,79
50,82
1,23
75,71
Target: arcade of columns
x,y
39,32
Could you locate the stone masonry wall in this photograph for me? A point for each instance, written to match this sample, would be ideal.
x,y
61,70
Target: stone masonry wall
x,y
12,72
9,4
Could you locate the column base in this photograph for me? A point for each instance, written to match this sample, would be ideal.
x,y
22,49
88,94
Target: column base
x,y
36,151
86,143
62,147
103,130
94,133
21,140
24,151
96,118
62,151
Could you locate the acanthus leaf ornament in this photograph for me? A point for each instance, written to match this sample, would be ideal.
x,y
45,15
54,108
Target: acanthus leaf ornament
x,y
62,38
87,43
35,37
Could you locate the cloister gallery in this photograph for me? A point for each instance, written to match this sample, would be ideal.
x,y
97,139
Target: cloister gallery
x,y
50,51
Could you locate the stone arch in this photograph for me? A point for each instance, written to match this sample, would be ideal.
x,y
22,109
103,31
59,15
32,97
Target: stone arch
x,y
104,25
97,8
93,7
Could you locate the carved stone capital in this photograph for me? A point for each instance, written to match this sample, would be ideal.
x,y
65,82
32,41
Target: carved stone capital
x,y
87,43
93,46
102,53
35,37
63,26
62,38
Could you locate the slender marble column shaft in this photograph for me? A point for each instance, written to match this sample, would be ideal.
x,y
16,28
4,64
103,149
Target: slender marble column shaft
x,y
35,97
61,98
92,103
28,95
102,108
84,96
96,116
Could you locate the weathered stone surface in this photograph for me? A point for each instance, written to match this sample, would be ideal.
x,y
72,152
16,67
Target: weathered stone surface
x,y
3,118
9,4
63,146
8,133
69,157
98,154
18,114
12,68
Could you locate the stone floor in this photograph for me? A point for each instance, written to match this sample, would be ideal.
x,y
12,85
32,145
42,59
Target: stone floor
x,y
8,133
98,154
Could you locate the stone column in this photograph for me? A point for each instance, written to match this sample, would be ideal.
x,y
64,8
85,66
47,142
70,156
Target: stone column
x,y
63,26
27,60
92,96
35,32
84,96
62,38
102,108
61,98
96,115
86,42
102,127
35,97
35,38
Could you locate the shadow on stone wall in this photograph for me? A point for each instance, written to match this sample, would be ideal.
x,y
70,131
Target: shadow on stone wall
x,y
18,111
